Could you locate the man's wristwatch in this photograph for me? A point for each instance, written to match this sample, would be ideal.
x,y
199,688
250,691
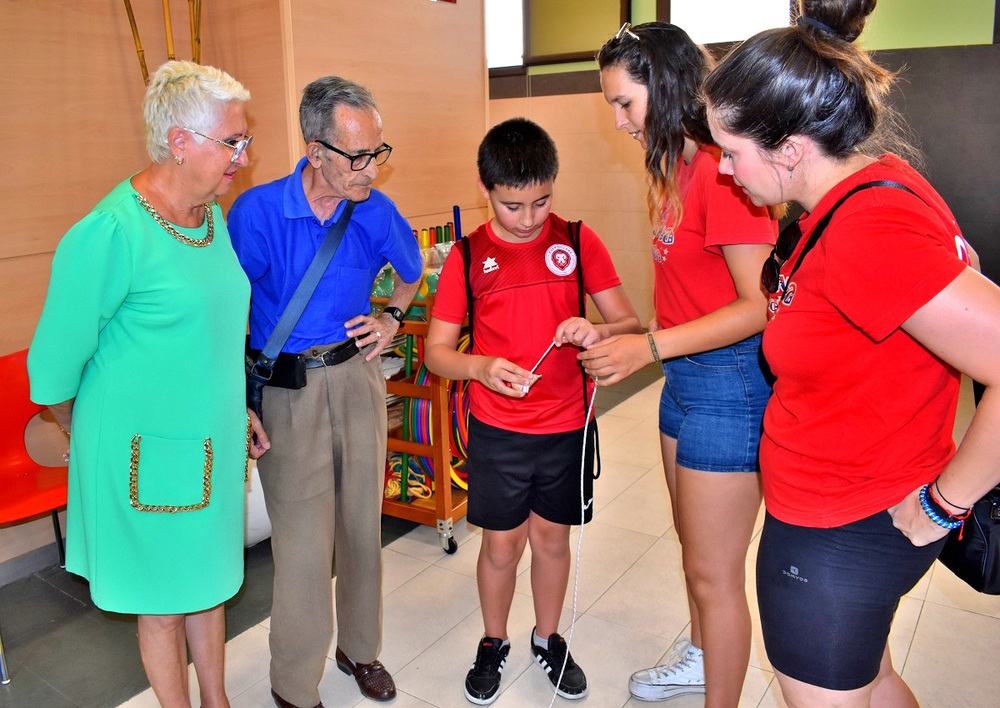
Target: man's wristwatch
x,y
395,313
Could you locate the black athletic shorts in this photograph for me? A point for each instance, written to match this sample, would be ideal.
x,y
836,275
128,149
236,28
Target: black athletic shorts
x,y
513,473
827,596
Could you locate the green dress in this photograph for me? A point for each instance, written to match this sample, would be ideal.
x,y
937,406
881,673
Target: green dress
x,y
147,333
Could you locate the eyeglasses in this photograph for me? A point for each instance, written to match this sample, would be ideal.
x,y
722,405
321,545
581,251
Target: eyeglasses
x,y
627,30
788,239
362,159
238,147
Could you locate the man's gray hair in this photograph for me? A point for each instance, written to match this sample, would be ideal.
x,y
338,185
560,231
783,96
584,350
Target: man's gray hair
x,y
186,95
320,100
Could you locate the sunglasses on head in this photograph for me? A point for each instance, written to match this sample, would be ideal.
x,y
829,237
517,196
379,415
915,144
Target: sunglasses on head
x,y
788,239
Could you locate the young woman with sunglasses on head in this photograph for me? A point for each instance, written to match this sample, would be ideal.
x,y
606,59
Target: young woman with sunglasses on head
x,y
708,245
875,311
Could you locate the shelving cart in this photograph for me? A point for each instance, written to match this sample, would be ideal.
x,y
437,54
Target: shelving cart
x,y
446,505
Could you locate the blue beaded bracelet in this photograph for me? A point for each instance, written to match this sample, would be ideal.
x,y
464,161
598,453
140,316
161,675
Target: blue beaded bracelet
x,y
934,516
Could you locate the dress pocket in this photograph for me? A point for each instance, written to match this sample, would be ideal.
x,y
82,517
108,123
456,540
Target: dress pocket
x,y
169,476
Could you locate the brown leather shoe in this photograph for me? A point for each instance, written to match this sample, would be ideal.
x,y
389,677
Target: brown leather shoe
x,y
282,703
373,679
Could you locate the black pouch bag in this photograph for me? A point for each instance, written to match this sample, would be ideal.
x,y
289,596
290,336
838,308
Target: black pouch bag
x,y
975,557
289,369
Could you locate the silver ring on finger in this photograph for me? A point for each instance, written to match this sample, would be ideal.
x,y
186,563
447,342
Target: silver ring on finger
x,y
378,334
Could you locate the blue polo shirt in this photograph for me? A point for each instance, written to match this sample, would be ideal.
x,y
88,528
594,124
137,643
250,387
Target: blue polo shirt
x,y
276,236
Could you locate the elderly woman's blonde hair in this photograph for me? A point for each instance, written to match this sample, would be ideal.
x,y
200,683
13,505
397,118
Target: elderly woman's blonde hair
x,y
186,95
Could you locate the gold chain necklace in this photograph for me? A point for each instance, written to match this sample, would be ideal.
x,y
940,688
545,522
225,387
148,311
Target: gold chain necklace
x,y
169,228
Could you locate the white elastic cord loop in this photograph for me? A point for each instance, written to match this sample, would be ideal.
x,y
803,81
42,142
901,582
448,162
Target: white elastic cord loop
x,y
584,504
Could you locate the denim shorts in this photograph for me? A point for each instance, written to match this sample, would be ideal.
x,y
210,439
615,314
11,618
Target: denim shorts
x,y
827,596
713,404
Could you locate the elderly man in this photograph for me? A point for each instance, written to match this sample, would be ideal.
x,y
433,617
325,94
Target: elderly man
x,y
323,477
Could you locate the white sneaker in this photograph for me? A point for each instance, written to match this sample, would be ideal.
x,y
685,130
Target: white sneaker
x,y
683,672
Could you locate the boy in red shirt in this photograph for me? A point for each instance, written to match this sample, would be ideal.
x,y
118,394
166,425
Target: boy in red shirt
x,y
525,430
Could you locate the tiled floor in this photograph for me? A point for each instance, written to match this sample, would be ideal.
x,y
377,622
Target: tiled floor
x,y
630,604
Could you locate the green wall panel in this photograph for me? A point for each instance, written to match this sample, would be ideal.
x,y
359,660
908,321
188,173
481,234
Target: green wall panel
x,y
903,24
559,27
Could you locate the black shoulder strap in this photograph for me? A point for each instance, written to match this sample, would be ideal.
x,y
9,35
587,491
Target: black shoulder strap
x,y
574,239
825,221
467,262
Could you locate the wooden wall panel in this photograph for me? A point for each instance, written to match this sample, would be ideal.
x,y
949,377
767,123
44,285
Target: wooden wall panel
x,y
425,62
24,280
70,129
245,37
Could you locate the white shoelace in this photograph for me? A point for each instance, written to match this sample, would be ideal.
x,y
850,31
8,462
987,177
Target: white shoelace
x,y
677,662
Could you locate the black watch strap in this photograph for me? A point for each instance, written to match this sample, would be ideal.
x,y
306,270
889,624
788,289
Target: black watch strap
x,y
395,313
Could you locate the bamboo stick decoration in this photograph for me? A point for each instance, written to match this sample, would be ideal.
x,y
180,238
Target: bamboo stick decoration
x,y
138,45
169,29
196,50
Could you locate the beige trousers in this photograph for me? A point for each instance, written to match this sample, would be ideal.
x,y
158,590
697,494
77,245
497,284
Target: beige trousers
x,y
322,482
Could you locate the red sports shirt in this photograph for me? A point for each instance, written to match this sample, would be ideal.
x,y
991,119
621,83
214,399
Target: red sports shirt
x,y
861,413
522,292
692,278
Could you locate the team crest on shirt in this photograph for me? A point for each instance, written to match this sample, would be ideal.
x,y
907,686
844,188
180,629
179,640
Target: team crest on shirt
x,y
560,259
490,265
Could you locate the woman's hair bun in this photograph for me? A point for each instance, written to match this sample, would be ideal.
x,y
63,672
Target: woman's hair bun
x,y
844,18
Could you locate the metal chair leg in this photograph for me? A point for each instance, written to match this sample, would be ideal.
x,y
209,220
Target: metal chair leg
x,y
4,676
59,538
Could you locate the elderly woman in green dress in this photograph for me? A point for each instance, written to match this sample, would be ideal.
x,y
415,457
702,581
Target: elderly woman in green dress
x,y
139,353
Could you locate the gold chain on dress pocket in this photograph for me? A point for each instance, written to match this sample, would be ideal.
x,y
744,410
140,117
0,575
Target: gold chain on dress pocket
x,y
246,472
133,482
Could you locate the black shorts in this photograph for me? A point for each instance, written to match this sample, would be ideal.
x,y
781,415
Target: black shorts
x,y
513,473
827,596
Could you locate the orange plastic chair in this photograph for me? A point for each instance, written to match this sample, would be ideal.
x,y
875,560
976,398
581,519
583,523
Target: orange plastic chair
x,y
26,488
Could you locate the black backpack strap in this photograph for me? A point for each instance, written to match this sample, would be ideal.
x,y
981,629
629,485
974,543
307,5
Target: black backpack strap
x,y
467,262
574,240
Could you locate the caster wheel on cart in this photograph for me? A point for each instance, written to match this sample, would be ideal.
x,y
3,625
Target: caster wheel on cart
x,y
449,545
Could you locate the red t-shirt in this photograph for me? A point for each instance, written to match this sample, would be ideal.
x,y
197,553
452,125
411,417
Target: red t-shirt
x,y
692,278
522,291
861,413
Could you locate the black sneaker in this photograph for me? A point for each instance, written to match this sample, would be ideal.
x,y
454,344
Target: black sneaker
x,y
573,684
483,680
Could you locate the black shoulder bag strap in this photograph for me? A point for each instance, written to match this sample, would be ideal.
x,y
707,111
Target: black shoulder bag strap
x,y
825,221
262,368
574,239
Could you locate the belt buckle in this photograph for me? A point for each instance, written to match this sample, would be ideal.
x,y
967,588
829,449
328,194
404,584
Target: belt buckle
x,y
327,357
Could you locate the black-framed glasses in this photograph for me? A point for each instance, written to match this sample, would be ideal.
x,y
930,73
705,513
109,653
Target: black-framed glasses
x,y
362,159
626,30
770,273
237,146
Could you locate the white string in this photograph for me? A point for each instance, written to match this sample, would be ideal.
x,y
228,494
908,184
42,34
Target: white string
x,y
579,543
